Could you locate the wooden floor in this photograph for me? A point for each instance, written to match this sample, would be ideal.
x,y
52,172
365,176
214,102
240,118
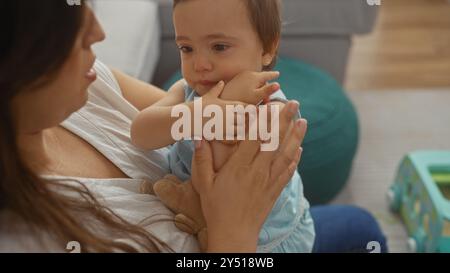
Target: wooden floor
x,y
409,48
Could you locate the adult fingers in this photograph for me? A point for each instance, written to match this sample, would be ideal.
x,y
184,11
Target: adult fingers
x,y
202,166
286,116
285,126
283,179
245,153
291,151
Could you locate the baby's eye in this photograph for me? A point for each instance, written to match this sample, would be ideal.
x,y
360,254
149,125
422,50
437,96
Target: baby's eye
x,y
185,49
220,47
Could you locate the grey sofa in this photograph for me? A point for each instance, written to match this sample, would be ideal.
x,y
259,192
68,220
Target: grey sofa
x,y
318,32
140,36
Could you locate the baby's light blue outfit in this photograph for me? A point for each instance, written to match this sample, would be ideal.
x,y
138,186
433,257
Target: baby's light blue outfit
x,y
289,228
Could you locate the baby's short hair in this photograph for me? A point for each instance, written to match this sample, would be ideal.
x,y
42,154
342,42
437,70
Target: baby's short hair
x,y
265,16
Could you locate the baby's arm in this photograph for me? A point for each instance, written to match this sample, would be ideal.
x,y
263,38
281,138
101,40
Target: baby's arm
x,y
151,129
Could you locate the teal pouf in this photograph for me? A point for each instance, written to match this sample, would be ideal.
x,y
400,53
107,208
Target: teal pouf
x,y
332,138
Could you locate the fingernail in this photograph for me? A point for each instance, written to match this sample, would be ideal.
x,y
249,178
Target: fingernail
x,y
293,107
298,123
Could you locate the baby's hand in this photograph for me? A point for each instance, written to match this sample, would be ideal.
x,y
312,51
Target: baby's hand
x,y
251,87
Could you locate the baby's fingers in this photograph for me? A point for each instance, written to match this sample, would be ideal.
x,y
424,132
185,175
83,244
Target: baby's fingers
x,y
267,90
266,76
216,91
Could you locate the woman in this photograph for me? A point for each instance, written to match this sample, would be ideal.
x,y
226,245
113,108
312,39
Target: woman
x,y
68,170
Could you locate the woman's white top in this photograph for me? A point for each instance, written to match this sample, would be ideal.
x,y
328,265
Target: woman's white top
x,y
104,122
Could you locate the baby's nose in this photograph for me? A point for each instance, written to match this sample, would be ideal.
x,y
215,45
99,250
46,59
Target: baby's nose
x,y
202,64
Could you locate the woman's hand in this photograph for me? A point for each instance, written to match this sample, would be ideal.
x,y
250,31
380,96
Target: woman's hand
x,y
213,98
237,200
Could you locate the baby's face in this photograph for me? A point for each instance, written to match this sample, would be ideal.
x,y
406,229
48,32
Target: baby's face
x,y
216,41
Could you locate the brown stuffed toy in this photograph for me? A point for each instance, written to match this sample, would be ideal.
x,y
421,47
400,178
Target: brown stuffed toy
x,y
184,201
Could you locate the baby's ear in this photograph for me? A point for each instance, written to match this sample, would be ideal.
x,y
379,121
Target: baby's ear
x,y
267,59
270,55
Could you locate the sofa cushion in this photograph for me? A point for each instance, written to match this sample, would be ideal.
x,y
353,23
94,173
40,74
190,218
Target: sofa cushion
x,y
307,17
316,31
132,36
327,17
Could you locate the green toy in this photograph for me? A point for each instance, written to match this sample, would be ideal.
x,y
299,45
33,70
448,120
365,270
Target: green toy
x,y
421,195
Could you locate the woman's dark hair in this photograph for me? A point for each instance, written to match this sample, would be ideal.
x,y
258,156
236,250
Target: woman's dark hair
x,y
36,40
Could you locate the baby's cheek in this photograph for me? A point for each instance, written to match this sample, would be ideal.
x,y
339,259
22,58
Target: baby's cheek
x,y
227,78
228,72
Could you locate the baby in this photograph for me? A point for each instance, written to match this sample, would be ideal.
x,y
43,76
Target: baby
x,y
227,40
